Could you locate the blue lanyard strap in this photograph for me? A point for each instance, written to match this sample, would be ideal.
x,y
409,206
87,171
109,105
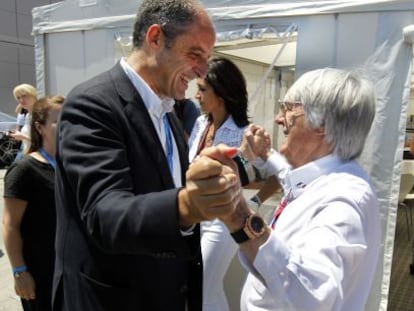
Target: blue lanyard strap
x,y
48,158
169,143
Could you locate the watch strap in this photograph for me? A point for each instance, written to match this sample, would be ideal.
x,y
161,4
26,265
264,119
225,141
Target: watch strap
x,y
240,236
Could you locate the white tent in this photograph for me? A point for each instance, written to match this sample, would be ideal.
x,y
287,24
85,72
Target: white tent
x,y
76,39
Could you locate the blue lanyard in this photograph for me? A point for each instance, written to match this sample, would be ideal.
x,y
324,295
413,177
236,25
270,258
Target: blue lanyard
x,y
169,144
49,159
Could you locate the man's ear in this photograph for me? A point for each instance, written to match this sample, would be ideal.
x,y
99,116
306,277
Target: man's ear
x,y
154,36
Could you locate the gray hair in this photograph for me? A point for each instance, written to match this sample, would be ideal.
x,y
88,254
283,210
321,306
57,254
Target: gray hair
x,y
174,17
342,102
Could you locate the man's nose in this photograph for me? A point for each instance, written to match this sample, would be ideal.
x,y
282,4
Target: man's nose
x,y
201,69
280,119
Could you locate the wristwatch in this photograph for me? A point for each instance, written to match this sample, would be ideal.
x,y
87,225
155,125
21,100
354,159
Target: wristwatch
x,y
254,227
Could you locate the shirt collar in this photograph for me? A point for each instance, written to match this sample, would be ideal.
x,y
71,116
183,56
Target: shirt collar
x,y
301,177
155,105
229,123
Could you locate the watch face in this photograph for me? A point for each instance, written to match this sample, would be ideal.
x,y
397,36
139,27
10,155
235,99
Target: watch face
x,y
257,224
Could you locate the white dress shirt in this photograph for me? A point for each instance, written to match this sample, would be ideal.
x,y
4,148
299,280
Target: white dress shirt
x,y
324,249
228,133
157,108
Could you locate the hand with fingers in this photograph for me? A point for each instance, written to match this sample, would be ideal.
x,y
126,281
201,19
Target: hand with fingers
x,y
25,286
212,189
256,143
17,135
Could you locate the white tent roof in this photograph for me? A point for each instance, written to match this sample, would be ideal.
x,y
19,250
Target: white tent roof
x,y
65,15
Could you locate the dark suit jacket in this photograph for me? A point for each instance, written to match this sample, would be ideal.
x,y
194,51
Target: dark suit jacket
x,y
118,244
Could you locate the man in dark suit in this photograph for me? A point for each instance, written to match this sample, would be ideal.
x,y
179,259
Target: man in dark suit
x,y
127,233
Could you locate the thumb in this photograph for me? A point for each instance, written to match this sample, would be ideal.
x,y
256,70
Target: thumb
x,y
221,152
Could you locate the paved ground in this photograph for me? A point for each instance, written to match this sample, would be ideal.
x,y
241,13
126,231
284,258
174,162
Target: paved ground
x,y
9,301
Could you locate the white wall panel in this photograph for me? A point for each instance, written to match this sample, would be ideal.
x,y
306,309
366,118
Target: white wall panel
x,y
73,57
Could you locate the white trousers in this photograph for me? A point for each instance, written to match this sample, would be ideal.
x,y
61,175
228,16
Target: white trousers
x,y
218,249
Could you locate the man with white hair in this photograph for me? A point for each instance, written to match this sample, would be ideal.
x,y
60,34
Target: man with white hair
x,y
321,247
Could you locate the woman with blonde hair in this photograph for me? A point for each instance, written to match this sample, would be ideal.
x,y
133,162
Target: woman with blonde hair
x,y
25,95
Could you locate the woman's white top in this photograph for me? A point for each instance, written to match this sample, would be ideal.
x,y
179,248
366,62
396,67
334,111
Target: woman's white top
x,y
21,119
26,131
228,133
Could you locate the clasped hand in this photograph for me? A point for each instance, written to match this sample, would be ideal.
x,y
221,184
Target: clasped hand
x,y
213,188
256,143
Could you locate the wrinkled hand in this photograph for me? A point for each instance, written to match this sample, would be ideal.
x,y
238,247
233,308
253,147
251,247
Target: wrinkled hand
x,y
258,142
212,186
246,150
236,220
25,286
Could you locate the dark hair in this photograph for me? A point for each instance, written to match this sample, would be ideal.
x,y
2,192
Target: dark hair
x,y
40,113
174,16
228,82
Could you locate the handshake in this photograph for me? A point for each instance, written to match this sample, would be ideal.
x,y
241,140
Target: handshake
x,y
213,188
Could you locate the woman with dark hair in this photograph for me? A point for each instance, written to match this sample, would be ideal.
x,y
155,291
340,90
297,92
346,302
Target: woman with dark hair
x,y
29,218
222,95
223,99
